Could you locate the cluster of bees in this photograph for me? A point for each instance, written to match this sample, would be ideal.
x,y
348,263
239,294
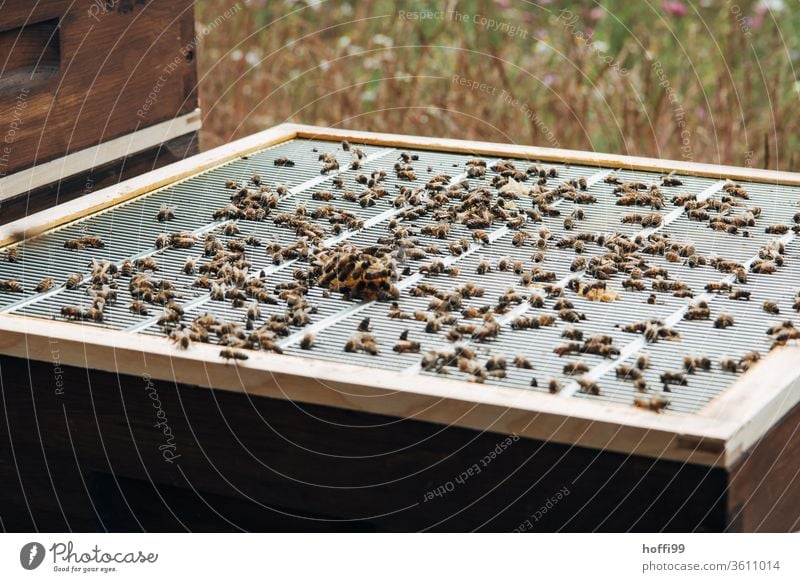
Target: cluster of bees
x,y
449,205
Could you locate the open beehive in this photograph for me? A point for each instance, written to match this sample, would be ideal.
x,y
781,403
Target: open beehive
x,y
611,302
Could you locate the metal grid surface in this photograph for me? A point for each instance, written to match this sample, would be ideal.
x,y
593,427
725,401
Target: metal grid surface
x,y
130,229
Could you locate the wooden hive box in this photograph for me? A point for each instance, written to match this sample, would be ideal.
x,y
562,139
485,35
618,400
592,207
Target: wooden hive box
x,y
143,434
91,93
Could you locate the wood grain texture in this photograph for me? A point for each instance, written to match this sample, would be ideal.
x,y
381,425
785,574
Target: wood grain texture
x,y
109,65
98,178
764,484
264,464
542,416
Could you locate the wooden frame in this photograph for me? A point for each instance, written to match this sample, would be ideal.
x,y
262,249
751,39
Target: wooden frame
x,y
716,436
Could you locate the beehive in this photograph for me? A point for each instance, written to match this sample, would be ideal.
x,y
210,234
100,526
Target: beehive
x,y
707,417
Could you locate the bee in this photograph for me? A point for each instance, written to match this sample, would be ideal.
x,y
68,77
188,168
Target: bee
x,y
496,363
723,320
553,385
626,372
72,312
307,342
138,308
190,266
165,213
522,362
283,162
729,365
169,317
483,267
74,244
571,316
633,285
93,314
520,237
771,307
720,287
231,228
365,325
748,360
673,378
692,364
253,311
480,236
578,264
588,386
671,180
231,354
406,346
572,333
740,295
73,281
777,229
655,403
575,368
13,255
93,242
44,285
147,264
764,267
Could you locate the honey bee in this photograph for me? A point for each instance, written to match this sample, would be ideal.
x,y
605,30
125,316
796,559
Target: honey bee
x,y
73,281
723,321
283,162
777,229
165,213
44,285
231,354
655,403
625,372
231,228
643,362
572,333
13,255
138,308
673,379
571,316
93,314
729,365
74,244
190,266
406,346
72,312
739,295
147,264
747,360
522,362
771,307
169,317
568,348
480,236
764,267
575,368
554,386
671,180
307,342
588,386
692,364
483,267
633,285
93,242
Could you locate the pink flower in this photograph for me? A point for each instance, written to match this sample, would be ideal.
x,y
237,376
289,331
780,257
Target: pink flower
x,y
674,8
596,13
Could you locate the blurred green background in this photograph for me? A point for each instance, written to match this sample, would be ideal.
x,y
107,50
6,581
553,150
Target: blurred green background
x,y
701,80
